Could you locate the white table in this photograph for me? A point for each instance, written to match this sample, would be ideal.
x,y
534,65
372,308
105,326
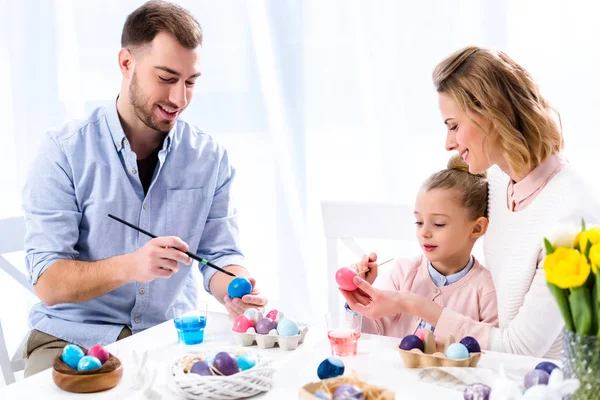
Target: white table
x,y
378,363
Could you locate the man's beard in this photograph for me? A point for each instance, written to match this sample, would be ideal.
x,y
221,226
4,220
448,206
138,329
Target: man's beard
x,y
139,101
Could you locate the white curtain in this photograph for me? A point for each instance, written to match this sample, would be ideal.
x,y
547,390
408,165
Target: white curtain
x,y
315,100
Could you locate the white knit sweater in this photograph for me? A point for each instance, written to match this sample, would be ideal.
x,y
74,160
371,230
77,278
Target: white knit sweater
x,y
529,319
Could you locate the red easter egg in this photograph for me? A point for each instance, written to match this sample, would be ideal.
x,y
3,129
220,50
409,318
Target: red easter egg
x,y
99,352
243,323
421,333
344,277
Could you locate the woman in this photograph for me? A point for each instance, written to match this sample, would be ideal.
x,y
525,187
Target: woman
x,y
495,116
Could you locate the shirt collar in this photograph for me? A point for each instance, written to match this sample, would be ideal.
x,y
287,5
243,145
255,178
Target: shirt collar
x,y
443,280
117,133
537,178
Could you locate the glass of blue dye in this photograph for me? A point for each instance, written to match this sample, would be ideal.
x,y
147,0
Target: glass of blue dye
x,y
190,324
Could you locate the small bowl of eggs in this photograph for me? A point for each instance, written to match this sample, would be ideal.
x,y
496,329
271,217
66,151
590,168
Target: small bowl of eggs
x,y
423,350
79,370
343,388
269,330
227,373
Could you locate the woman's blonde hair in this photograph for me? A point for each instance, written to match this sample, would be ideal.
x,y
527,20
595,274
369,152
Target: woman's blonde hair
x,y
489,83
473,188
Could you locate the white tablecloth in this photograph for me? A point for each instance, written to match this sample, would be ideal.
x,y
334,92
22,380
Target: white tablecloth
x,y
378,363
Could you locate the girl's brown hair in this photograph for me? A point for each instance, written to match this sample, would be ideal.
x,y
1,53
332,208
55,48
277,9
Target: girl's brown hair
x,y
489,83
473,188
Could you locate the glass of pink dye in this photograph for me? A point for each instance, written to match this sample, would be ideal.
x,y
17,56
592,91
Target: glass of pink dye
x,y
343,333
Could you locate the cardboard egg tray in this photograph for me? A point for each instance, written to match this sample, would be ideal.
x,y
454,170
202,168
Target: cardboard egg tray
x,y
329,385
434,355
271,339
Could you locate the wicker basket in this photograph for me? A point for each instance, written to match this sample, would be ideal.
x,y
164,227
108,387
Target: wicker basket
x,y
244,384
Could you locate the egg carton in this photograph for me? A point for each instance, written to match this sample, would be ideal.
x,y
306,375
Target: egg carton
x,y
268,341
434,355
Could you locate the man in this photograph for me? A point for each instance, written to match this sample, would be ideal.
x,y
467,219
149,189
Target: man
x,y
99,280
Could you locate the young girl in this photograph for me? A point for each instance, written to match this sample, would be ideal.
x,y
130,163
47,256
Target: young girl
x,y
451,214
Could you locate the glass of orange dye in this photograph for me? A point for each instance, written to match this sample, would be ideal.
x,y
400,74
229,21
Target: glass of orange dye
x,y
343,333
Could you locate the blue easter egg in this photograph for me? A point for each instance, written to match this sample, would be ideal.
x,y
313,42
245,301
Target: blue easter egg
x,y
239,287
287,327
71,355
412,342
330,368
322,395
457,351
471,344
536,377
245,362
546,366
88,363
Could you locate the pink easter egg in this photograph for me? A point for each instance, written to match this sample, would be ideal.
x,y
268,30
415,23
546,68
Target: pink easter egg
x,y
274,315
99,352
421,333
344,277
242,323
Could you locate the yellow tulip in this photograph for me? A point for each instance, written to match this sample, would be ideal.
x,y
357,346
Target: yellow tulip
x,y
566,268
592,234
595,257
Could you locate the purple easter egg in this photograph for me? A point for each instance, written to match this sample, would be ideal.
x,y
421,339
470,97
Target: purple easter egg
x,y
348,392
412,342
546,366
471,344
201,368
265,325
477,391
226,364
536,377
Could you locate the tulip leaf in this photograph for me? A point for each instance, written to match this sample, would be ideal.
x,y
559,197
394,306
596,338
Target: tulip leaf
x,y
548,246
582,225
563,304
580,302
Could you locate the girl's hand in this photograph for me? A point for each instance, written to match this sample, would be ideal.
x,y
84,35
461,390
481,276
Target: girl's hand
x,y
374,303
367,266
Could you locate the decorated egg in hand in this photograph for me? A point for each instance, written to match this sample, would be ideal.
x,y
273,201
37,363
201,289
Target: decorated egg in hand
x,y
226,364
477,391
330,368
536,377
245,362
201,368
71,355
239,287
253,314
546,366
243,323
422,333
410,342
265,325
344,278
99,352
287,327
88,363
471,344
348,392
457,351
274,315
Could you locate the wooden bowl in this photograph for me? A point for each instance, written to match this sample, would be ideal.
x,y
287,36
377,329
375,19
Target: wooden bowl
x,y
434,355
330,385
96,380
